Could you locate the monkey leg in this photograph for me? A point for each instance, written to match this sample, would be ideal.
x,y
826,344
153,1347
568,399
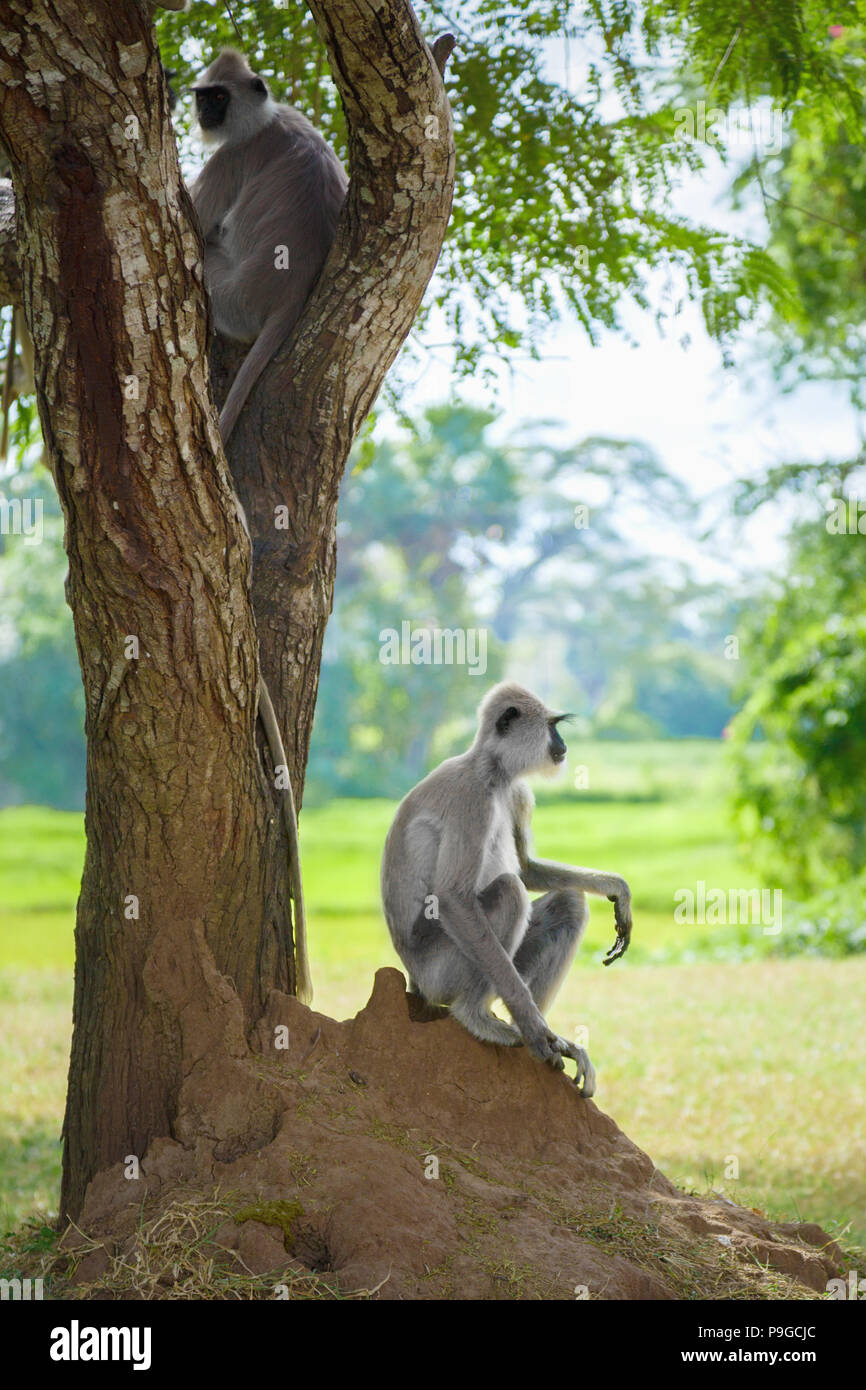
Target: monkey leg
x,y
505,904
556,925
443,973
235,316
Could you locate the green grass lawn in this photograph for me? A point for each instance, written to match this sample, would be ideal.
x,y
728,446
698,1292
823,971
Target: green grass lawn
x,y
707,1065
655,812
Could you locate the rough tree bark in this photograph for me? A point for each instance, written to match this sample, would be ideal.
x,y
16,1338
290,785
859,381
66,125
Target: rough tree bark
x,y
183,922
401,160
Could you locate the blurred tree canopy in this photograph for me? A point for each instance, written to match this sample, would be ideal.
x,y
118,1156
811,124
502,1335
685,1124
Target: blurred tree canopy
x,y
457,528
454,527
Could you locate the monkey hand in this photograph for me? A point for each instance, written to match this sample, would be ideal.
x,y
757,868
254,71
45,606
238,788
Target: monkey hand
x,y
553,1050
622,916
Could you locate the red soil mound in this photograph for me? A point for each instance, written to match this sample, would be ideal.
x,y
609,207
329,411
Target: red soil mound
x,y
394,1152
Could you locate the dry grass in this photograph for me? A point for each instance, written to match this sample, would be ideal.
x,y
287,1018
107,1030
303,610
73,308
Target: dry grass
x,y
173,1256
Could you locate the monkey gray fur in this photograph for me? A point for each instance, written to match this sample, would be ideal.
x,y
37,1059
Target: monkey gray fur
x,y
270,194
455,873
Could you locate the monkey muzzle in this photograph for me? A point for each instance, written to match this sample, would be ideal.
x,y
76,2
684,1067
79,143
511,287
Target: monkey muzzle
x,y
557,746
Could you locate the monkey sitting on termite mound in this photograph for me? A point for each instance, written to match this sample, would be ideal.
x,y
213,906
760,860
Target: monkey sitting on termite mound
x,y
455,874
268,201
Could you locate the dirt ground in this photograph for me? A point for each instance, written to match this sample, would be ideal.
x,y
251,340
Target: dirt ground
x,y
394,1156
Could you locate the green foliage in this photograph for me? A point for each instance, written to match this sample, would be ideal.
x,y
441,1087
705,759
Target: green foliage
x,y
783,49
815,204
564,181
800,739
833,923
817,220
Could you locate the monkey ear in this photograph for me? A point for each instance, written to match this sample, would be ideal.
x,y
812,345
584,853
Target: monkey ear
x,y
505,719
257,85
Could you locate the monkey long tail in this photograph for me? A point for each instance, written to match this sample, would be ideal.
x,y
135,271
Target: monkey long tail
x,y
303,981
270,340
7,389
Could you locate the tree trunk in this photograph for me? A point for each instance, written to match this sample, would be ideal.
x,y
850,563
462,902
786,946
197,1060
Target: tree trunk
x,y
401,157
183,923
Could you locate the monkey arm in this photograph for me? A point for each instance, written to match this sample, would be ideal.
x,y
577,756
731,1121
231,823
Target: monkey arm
x,y
542,875
467,926
464,921
546,875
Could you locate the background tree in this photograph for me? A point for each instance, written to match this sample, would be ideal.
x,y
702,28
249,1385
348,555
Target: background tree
x,y
801,733
455,525
800,806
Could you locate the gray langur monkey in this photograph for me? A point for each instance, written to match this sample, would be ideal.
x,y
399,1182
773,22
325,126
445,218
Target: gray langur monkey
x,y
268,201
455,873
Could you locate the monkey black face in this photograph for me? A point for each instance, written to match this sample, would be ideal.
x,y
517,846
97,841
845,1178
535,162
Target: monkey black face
x,y
213,101
532,736
212,104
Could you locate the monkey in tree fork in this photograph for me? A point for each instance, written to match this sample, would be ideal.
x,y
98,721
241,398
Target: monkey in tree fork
x,y
268,201
456,875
